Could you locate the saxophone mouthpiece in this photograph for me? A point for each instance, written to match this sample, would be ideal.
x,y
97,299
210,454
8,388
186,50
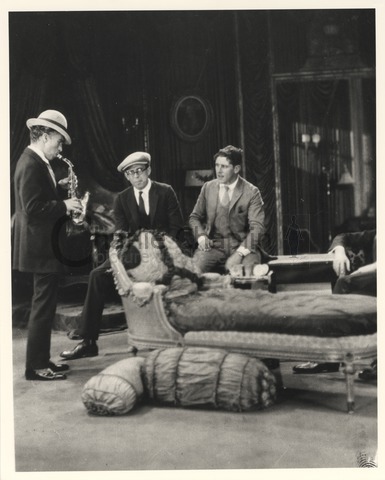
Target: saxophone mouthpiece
x,y
60,157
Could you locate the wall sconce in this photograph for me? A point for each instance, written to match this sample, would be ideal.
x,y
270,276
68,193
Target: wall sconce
x,y
316,138
310,140
346,177
129,123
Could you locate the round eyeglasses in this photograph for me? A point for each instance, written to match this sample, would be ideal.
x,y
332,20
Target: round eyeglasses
x,y
136,171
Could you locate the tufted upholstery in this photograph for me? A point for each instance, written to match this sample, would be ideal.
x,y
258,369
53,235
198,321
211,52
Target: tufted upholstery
x,y
286,313
286,325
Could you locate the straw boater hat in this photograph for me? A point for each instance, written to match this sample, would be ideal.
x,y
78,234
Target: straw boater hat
x,y
52,119
137,158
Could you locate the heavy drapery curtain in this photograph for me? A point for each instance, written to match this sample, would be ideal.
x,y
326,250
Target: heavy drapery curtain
x,y
56,71
90,116
258,129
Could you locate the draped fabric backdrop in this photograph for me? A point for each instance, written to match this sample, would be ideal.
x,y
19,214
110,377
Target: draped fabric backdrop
x,y
117,75
255,78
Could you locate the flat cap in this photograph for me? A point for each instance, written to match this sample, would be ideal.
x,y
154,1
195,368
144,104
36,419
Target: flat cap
x,y
136,158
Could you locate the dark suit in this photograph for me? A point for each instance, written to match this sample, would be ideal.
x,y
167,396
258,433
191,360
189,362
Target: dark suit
x,y
38,209
360,248
164,215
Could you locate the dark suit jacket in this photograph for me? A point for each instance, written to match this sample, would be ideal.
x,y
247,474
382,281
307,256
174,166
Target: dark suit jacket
x,y
39,209
165,212
359,246
246,213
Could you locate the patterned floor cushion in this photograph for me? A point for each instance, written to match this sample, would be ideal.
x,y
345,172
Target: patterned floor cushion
x,y
116,389
191,377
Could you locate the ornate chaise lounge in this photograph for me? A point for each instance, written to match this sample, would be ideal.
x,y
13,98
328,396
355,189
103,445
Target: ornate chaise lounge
x,y
287,325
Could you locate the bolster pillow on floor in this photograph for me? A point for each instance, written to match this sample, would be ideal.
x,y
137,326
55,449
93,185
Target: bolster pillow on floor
x,y
213,378
116,389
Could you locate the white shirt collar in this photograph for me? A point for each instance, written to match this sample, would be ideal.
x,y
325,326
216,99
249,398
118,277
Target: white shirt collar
x,y
231,186
39,152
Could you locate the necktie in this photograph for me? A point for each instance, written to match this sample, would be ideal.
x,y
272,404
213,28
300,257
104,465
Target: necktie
x,y
51,173
225,197
142,209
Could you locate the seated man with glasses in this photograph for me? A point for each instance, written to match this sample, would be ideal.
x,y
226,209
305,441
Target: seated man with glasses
x,y
145,204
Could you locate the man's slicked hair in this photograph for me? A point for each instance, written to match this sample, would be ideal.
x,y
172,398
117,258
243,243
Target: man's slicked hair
x,y
37,131
233,154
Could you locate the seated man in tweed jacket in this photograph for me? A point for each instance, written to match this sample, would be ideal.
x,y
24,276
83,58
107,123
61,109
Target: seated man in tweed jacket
x,y
228,218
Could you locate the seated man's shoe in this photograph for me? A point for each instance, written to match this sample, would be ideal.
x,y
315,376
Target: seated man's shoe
x,y
74,335
369,374
313,367
44,374
58,367
81,350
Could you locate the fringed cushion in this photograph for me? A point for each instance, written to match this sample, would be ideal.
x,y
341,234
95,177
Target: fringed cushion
x,y
116,389
189,377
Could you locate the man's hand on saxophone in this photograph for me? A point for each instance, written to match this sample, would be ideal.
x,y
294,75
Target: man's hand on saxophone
x,y
64,183
73,205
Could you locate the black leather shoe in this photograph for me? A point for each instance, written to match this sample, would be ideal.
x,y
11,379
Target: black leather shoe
x,y
44,374
369,374
80,351
58,367
313,367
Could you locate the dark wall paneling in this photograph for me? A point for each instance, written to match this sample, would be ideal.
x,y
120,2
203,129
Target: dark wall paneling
x,y
289,39
258,128
321,39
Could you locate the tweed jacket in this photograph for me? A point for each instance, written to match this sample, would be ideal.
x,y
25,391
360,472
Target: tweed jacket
x,y
39,209
165,212
246,213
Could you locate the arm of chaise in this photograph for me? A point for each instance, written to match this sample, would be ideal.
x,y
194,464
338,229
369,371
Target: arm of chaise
x,y
148,326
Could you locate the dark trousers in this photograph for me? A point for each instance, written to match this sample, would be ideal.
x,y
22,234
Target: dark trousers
x,y
359,283
44,300
100,286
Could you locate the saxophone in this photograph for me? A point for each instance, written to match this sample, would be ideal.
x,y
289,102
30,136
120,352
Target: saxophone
x,y
78,218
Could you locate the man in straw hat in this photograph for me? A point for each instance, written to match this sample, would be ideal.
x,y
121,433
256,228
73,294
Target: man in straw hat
x,y
145,204
38,209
